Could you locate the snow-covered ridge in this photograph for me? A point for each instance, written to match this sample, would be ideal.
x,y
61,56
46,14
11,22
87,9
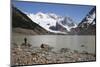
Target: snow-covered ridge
x,y
90,18
47,20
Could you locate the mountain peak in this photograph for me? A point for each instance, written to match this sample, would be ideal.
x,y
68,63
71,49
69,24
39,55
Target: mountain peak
x,y
39,13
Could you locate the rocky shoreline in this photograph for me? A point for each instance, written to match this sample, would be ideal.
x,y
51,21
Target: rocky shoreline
x,y
28,55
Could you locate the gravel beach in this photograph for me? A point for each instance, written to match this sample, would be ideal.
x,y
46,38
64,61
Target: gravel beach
x,y
28,55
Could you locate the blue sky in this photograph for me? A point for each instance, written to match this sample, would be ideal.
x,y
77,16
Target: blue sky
x,y
76,12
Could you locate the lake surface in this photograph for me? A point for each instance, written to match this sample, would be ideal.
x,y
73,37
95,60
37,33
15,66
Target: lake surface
x,y
73,42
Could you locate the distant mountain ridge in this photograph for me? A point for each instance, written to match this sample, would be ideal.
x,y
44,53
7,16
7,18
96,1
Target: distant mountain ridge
x,y
50,23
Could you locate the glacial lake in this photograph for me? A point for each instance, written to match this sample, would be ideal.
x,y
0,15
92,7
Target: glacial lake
x,y
73,42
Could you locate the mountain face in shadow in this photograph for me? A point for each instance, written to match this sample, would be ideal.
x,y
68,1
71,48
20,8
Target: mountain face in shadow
x,y
22,24
88,25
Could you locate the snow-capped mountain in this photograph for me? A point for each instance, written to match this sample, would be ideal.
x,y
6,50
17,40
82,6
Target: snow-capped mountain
x,y
52,22
88,25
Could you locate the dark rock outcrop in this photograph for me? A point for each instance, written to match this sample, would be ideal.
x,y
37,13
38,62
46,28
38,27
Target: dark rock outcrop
x,y
46,47
58,27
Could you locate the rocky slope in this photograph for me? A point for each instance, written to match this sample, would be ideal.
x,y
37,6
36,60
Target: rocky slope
x,y
22,24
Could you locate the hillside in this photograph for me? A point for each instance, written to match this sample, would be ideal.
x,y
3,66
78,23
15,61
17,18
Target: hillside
x,y
22,24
